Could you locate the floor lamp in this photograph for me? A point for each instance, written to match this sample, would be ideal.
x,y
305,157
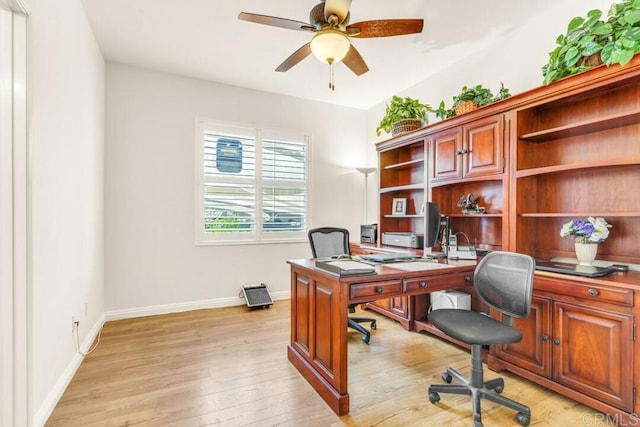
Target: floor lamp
x,y
366,172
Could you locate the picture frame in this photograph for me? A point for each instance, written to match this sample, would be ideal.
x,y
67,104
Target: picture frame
x,y
399,207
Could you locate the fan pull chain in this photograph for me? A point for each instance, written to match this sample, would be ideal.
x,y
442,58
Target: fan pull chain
x,y
332,85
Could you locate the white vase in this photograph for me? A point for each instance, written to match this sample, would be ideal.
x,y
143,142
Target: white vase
x,y
586,253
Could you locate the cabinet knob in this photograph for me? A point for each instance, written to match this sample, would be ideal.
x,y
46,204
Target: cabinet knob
x,y
468,278
593,292
458,152
423,284
379,290
545,337
464,151
556,341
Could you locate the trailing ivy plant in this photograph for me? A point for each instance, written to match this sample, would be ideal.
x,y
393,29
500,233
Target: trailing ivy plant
x,y
400,109
624,19
591,41
442,112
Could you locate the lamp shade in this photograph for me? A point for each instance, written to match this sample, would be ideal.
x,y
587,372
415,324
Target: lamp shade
x,y
330,46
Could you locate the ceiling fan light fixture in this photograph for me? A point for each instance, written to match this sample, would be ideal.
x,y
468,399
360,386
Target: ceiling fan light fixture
x,y
330,46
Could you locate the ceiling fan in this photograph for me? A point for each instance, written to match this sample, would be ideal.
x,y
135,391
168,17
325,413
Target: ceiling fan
x,y
329,21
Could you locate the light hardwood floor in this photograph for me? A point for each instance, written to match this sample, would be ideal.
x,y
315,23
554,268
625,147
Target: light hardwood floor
x,y
228,367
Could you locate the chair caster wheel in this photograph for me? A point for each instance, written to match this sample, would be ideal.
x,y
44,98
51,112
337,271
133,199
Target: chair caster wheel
x,y
447,378
523,419
499,389
434,397
366,339
374,326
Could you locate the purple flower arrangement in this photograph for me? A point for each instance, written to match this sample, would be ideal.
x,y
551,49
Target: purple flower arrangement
x,y
590,230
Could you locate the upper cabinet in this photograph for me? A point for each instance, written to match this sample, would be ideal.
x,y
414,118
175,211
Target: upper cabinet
x,y
472,150
469,159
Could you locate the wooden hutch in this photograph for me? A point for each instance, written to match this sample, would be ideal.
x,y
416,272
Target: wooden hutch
x,y
535,161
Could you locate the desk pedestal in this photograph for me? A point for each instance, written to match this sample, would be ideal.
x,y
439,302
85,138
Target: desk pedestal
x,y
318,347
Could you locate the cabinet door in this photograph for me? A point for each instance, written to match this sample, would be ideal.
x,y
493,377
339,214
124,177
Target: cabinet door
x,y
447,162
483,150
399,306
533,352
593,353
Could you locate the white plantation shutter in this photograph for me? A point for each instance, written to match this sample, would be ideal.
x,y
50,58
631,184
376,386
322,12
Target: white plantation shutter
x,y
252,184
284,185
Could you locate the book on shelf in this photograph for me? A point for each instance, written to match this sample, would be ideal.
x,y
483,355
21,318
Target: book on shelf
x,y
345,267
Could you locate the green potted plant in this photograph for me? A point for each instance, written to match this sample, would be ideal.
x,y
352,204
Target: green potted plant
x,y
471,98
442,112
403,115
591,41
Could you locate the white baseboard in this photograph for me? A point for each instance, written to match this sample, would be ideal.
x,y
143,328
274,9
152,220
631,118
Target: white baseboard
x,y
50,402
183,306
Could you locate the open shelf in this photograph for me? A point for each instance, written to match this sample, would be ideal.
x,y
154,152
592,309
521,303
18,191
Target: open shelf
x,y
583,127
580,214
577,166
478,216
402,187
405,165
404,216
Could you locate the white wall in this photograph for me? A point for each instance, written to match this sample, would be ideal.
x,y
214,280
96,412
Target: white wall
x,y
151,258
66,135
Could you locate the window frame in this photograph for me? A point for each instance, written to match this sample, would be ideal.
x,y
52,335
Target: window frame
x,y
258,236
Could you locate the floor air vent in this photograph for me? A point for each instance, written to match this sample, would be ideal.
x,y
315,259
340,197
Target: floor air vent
x,y
257,296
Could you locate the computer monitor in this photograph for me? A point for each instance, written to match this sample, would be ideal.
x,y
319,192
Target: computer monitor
x,y
432,224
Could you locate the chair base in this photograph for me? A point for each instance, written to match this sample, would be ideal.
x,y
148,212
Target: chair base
x,y
478,389
354,323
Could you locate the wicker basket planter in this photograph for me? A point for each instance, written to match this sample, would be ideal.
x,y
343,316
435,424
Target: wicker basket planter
x,y
465,107
406,125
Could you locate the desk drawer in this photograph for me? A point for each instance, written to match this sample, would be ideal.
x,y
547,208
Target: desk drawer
x,y
374,290
586,291
421,285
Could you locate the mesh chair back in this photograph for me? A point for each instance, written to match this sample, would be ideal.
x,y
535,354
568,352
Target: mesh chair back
x,y
504,280
329,241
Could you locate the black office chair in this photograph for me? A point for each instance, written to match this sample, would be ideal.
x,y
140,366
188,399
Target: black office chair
x,y
332,241
504,280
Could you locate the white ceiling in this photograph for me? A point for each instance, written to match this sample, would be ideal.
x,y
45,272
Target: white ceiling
x,y
204,39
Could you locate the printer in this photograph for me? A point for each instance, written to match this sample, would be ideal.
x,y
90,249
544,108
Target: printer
x,y
369,233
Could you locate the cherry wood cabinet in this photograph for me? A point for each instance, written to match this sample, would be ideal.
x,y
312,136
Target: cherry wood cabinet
x,y
584,345
471,150
533,352
535,161
576,156
469,159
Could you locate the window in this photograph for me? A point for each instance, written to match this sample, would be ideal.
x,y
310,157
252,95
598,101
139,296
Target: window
x,y
252,184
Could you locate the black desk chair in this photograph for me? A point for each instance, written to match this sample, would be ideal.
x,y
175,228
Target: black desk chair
x,y
333,241
504,280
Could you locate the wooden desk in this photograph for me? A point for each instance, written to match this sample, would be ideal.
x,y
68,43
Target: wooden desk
x,y
319,303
